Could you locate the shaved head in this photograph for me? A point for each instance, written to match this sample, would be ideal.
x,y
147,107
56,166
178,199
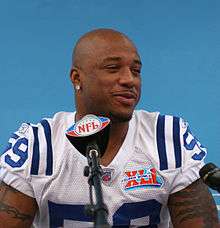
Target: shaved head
x,y
90,42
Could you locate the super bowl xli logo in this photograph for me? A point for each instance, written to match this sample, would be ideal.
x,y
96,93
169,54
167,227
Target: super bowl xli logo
x,y
142,178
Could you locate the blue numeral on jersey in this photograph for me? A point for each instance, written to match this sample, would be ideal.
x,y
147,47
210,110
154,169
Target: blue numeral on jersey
x,y
60,212
192,144
17,149
130,211
122,217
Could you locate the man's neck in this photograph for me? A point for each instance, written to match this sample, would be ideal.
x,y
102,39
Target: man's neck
x,y
118,132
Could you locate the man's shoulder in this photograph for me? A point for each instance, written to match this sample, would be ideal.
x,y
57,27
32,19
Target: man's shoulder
x,y
33,144
56,119
154,114
55,122
157,118
61,117
144,114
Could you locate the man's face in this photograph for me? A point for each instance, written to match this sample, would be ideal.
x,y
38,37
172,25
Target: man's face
x,y
110,80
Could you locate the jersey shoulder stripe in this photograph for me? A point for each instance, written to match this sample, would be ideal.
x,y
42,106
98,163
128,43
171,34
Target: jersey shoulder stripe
x,y
47,132
42,158
176,141
36,152
168,142
161,147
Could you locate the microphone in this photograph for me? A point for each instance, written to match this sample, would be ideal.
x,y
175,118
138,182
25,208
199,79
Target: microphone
x,y
90,137
210,175
90,133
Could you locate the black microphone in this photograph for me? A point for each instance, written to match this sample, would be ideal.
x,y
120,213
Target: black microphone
x,y
90,133
90,137
210,175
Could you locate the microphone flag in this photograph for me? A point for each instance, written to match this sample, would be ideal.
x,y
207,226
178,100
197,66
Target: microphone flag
x,y
89,130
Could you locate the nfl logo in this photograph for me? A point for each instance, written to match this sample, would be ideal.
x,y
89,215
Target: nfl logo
x,y
107,176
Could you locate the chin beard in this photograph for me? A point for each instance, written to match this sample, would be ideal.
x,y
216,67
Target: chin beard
x,y
120,117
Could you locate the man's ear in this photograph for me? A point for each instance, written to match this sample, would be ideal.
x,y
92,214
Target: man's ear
x,y
75,76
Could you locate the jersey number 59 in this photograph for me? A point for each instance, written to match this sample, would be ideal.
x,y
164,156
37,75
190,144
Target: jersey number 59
x,y
135,213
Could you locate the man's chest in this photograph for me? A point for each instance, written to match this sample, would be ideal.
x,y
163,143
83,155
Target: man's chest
x,y
133,194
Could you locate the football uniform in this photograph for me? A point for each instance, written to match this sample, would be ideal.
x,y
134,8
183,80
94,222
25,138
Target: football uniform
x,y
158,157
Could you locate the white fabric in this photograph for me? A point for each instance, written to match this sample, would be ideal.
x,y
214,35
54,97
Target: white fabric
x,y
67,187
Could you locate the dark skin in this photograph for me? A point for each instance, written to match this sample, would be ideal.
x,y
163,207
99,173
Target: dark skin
x,y
193,206
16,209
107,67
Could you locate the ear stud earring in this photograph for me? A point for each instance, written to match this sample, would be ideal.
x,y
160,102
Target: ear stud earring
x,y
77,87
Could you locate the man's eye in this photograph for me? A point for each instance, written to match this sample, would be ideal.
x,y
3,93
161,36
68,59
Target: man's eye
x,y
136,70
112,68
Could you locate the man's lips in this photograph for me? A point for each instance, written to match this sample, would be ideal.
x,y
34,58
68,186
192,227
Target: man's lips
x,y
126,97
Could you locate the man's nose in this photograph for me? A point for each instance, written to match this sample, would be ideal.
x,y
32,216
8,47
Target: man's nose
x,y
127,78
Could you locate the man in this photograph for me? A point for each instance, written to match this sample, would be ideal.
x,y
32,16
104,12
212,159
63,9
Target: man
x,y
152,161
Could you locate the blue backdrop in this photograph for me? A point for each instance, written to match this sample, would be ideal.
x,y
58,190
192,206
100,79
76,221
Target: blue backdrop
x,y
179,42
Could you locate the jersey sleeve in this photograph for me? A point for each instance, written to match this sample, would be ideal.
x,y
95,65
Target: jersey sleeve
x,y
16,158
192,158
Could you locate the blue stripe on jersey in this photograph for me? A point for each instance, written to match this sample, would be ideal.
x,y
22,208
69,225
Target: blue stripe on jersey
x,y
47,132
36,153
176,141
161,146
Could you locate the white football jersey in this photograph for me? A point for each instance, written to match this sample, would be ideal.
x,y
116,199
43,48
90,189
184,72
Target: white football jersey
x,y
158,157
